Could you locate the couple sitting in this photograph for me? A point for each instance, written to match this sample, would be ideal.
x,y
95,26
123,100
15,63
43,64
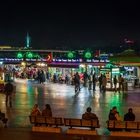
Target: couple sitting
x,y
45,112
114,115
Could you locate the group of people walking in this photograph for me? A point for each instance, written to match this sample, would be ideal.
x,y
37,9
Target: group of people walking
x,y
92,79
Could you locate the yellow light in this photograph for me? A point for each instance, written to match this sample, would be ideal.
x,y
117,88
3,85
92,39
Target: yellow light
x,y
23,63
82,65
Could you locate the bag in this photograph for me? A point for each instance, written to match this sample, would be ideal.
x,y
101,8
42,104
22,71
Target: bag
x,y
102,131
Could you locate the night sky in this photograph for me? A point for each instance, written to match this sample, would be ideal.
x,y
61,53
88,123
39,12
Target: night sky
x,y
102,25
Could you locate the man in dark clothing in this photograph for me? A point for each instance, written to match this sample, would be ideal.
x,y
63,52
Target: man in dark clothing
x,y
8,89
130,116
94,80
100,82
77,82
88,115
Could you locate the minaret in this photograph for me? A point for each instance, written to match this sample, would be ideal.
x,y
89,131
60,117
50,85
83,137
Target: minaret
x,y
28,42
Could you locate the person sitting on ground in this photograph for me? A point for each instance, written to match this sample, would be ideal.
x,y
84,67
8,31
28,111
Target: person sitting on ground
x,y
88,115
130,116
3,119
35,111
47,111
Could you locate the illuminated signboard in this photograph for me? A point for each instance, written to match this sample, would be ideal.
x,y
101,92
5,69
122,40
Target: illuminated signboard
x,y
54,60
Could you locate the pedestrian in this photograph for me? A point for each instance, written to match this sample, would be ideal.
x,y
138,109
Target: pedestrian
x,y
100,82
115,83
94,80
85,77
130,116
77,82
90,80
104,82
47,111
35,111
88,115
121,83
8,90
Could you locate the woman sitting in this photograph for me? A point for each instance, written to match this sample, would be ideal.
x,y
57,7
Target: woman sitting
x,y
47,111
35,111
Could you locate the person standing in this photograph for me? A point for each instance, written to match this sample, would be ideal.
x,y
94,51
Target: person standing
x,y
77,82
115,83
8,90
85,77
121,83
100,82
94,80
104,82
90,81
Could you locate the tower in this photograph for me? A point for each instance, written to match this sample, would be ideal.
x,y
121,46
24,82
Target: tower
x,y
28,42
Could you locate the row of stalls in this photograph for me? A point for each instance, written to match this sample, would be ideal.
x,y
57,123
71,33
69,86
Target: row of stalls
x,y
127,64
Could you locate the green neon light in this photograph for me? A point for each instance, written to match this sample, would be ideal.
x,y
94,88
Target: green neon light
x,y
70,55
29,55
88,55
19,55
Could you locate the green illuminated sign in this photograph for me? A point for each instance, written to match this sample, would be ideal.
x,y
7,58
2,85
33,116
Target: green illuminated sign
x,y
19,55
88,55
29,55
70,55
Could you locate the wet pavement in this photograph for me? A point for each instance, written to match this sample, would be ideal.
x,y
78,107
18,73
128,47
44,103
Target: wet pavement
x,y
64,103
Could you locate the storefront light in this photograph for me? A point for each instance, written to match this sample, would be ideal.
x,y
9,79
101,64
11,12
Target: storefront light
x,y
23,63
82,66
1,62
90,66
41,64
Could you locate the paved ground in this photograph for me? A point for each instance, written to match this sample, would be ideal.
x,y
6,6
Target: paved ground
x,y
64,103
26,134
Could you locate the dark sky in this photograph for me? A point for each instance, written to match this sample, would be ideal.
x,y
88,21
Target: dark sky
x,y
94,25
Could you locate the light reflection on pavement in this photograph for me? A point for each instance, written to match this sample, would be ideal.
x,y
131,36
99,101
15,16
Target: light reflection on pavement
x,y
64,103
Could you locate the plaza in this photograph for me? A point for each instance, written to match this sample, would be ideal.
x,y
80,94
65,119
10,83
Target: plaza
x,y
65,103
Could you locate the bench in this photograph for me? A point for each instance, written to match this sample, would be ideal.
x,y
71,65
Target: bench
x,y
71,122
123,125
42,120
39,121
